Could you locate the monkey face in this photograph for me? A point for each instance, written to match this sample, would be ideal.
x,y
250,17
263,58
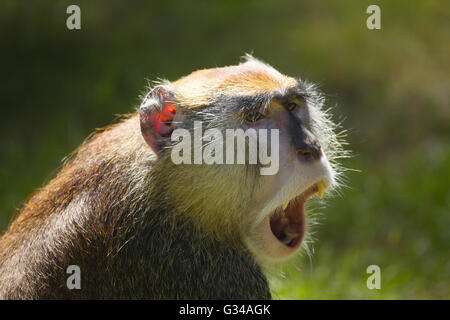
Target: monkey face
x,y
304,170
232,199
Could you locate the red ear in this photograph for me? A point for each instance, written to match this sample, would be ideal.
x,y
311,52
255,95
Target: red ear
x,y
156,127
162,121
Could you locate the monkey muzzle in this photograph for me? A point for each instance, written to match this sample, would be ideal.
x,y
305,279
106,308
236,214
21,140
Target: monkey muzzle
x,y
288,222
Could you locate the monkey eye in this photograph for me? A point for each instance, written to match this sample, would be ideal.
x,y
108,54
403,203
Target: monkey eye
x,y
253,116
291,106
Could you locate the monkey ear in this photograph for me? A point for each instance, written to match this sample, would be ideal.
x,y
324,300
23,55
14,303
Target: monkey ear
x,y
156,115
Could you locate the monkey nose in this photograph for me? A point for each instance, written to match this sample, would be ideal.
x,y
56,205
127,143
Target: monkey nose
x,y
310,153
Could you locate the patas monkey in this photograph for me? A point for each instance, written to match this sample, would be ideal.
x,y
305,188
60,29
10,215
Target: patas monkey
x,y
140,226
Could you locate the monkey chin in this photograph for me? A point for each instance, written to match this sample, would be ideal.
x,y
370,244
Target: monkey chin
x,y
279,235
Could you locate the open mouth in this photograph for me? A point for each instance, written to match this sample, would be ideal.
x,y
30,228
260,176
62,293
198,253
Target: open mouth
x,y
287,223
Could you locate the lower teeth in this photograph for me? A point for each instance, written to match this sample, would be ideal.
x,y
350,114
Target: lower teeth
x,y
288,238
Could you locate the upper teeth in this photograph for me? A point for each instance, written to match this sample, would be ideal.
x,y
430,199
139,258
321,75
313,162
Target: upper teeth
x,y
320,189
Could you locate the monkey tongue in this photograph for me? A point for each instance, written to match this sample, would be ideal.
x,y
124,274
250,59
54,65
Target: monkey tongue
x,y
288,224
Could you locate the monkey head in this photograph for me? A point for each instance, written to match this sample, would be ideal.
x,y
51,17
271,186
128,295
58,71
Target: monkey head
x,y
238,201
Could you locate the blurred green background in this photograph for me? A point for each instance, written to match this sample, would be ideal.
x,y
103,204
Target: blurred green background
x,y
389,86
